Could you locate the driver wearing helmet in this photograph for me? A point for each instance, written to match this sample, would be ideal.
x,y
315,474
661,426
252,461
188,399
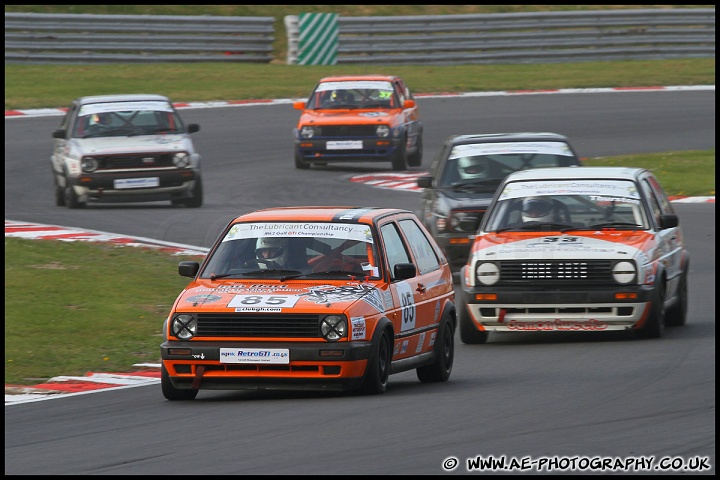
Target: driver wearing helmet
x,y
538,209
272,252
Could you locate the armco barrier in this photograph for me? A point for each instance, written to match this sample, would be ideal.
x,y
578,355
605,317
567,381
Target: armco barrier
x,y
538,37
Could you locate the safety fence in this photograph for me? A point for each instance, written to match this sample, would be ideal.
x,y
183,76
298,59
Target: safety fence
x,y
329,39
85,38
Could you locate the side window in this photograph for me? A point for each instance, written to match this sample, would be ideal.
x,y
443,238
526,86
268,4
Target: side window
x,y
394,246
427,260
400,92
662,197
655,209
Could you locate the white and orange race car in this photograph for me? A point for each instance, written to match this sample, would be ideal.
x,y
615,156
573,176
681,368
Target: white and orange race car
x,y
312,298
576,249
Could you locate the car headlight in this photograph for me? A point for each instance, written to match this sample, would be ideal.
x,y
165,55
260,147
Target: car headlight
x,y
487,273
89,164
333,327
181,160
382,131
624,272
184,326
307,132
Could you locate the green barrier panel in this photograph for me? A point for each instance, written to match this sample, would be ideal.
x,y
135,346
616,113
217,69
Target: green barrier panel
x,y
318,43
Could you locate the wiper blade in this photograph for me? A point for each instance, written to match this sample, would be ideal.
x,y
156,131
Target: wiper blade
x,y
532,226
490,184
633,226
328,272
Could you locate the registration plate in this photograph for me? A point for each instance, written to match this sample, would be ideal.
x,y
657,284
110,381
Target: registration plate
x,y
345,145
255,355
137,182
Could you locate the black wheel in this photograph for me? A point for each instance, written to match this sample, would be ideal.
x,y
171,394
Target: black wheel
x,y
197,195
71,198
378,368
59,196
399,161
676,316
172,393
299,162
655,323
440,370
415,160
469,334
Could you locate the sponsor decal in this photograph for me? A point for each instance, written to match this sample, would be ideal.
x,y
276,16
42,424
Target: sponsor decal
x,y
328,294
433,336
404,347
358,328
513,148
344,231
437,311
421,340
559,325
373,114
255,355
258,309
204,298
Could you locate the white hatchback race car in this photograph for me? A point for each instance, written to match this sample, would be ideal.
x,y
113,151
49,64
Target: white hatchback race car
x,y
576,249
125,148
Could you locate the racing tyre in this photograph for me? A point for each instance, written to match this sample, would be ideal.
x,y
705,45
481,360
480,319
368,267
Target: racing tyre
x,y
71,198
469,334
655,323
440,370
378,367
197,195
399,161
676,316
300,163
59,196
415,160
172,393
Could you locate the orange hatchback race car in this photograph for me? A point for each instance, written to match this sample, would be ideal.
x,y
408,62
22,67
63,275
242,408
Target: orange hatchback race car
x,y
359,118
312,298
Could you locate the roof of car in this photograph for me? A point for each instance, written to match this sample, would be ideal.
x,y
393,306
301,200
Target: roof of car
x,y
579,173
346,78
339,214
509,137
135,97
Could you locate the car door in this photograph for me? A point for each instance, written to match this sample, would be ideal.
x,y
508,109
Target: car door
x,y
416,308
670,240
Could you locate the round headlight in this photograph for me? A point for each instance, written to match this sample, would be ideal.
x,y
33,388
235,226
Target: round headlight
x,y
307,132
624,272
382,131
89,164
333,327
487,273
181,160
184,326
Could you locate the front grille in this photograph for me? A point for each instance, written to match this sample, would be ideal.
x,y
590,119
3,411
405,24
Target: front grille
x,y
346,131
258,325
140,160
557,272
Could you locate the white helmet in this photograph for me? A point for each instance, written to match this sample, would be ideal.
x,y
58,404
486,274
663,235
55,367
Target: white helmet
x,y
537,209
272,249
471,167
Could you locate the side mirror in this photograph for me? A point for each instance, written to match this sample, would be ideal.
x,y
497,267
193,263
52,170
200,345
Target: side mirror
x,y
669,221
403,271
425,181
193,127
409,103
188,268
59,133
299,105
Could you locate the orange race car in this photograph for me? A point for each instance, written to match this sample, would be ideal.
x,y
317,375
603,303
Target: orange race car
x,y
359,118
312,298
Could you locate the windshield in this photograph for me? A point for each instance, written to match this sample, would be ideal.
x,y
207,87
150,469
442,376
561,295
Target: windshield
x,y
126,119
568,204
484,162
287,250
353,94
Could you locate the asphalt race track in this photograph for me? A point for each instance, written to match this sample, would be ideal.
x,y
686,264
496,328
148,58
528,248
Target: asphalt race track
x,y
551,402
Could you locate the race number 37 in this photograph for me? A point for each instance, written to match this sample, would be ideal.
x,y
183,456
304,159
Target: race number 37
x,y
407,306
